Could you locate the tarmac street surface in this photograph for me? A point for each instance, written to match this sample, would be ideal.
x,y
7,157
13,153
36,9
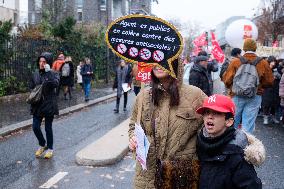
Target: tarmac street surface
x,y
21,170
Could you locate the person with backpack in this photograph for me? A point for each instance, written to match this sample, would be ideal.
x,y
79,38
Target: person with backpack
x,y
47,106
67,76
246,78
87,73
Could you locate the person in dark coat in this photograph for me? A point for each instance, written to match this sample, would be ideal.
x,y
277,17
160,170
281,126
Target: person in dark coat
x,y
199,76
270,98
87,73
67,76
123,76
47,107
226,154
211,67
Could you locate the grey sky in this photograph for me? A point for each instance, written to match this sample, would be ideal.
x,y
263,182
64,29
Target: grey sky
x,y
209,13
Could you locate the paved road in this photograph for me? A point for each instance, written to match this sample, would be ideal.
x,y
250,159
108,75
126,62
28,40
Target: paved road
x,y
19,167
22,170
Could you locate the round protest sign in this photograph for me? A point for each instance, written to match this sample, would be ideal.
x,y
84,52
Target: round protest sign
x,y
148,39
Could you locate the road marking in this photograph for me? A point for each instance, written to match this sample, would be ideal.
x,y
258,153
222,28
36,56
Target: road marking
x,y
53,180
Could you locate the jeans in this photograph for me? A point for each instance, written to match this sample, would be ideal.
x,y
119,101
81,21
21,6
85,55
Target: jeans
x,y
87,88
246,111
48,130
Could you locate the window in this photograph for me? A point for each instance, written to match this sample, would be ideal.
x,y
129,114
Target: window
x,y
80,3
80,16
103,5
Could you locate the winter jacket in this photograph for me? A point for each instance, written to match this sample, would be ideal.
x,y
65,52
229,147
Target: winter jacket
x,y
212,67
48,104
281,90
270,97
264,73
228,161
84,69
67,80
176,130
56,66
78,73
199,77
122,75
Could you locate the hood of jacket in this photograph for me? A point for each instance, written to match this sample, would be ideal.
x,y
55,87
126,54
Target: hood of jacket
x,y
47,56
255,151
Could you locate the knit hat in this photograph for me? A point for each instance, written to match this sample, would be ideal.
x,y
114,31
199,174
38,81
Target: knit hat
x,y
249,45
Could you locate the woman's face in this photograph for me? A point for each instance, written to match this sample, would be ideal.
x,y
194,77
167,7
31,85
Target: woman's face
x,y
42,62
159,73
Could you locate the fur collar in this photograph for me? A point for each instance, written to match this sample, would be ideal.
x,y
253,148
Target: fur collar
x,y
254,151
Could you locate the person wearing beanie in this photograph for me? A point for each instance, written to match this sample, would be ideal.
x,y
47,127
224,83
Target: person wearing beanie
x,y
47,107
248,107
199,76
166,112
227,155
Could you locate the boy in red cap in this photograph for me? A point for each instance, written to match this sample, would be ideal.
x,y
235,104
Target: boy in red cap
x,y
226,154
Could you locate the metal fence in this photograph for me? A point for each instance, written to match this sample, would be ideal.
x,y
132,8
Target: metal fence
x,y
18,58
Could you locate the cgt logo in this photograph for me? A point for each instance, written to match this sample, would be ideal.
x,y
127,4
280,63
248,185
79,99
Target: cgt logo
x,y
144,73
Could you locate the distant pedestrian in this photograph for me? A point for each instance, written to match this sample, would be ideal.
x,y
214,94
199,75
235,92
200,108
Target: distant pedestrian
x,y
227,154
199,76
47,107
79,76
122,77
56,66
250,88
67,76
87,74
212,66
270,98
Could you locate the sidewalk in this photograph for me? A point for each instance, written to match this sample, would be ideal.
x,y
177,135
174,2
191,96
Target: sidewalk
x,y
17,110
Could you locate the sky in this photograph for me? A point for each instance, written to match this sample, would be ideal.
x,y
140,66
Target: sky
x,y
207,13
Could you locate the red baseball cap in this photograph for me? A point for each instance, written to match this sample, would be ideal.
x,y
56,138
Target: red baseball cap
x,y
219,103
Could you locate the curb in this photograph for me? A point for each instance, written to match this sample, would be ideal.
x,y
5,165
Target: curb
x,y
108,149
28,123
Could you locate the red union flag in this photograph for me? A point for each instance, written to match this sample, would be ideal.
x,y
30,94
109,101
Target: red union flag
x,y
275,44
216,49
144,72
200,40
247,31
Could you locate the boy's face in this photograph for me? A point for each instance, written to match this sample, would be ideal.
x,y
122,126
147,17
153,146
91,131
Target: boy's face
x,y
215,122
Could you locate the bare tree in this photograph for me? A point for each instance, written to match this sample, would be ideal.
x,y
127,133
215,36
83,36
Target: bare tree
x,y
268,23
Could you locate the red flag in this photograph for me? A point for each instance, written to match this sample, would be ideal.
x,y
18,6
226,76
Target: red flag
x,y
216,49
144,72
275,44
200,40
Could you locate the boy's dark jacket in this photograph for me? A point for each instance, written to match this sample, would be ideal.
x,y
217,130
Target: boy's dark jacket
x,y
228,161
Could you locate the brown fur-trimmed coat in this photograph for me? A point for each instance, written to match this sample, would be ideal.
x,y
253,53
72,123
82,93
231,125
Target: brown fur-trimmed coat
x,y
176,130
264,73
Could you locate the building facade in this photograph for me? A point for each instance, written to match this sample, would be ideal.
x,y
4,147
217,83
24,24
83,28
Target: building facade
x,y
10,11
88,11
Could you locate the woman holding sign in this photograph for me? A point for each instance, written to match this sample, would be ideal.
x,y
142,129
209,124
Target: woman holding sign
x,y
166,112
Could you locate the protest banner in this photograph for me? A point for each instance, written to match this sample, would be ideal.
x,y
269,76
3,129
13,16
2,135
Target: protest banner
x,y
148,39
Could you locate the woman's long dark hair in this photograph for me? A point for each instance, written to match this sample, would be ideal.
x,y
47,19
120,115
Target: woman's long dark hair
x,y
173,90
